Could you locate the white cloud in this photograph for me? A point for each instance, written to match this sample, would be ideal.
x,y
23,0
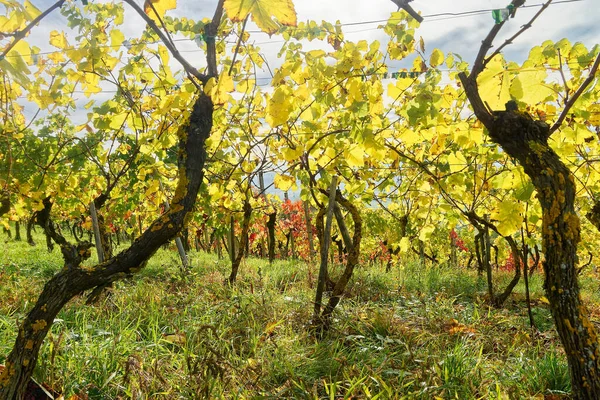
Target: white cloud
x,y
575,20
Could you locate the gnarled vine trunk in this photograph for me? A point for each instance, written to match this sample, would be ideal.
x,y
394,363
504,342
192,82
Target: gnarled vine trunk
x,y
73,279
4,203
322,322
526,140
237,260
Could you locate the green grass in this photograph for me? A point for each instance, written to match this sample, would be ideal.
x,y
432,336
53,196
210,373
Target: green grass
x,y
416,333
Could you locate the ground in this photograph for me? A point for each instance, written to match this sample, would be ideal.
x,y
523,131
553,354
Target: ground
x,y
166,334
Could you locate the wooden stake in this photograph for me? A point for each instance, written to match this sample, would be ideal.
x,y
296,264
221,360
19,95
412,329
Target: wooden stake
x,y
96,228
232,239
325,249
311,248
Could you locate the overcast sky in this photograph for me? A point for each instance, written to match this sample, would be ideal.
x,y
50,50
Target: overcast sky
x,y
575,20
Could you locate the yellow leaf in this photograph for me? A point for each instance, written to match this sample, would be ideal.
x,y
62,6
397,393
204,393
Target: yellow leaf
x,y
266,14
326,157
153,188
439,144
544,300
280,106
270,328
178,339
355,157
10,24
457,162
116,38
290,154
57,57
437,57
284,182
404,244
215,192
32,11
508,215
58,39
396,90
21,49
493,84
410,137
15,65
529,85
223,87
161,7
426,233
117,121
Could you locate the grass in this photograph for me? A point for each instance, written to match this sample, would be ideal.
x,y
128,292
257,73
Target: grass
x,y
415,333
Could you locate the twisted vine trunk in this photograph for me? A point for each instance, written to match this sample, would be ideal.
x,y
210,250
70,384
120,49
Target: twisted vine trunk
x,y
526,140
73,280
351,262
322,322
235,265
4,203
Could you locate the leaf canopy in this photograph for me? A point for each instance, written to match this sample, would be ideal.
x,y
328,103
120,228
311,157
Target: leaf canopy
x,y
268,15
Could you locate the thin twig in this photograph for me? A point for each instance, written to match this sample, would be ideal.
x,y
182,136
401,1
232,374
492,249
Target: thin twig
x,y
22,33
578,93
239,43
162,23
186,65
516,35
562,75
486,44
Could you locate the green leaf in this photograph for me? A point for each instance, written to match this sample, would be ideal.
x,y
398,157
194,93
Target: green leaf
x,y
524,192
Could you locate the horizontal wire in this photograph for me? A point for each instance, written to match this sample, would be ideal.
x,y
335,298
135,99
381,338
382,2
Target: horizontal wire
x,y
449,15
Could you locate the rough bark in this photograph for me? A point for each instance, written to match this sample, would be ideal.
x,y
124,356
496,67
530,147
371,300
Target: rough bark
x,y
4,203
324,230
594,215
235,265
30,228
320,227
526,140
351,262
311,247
74,279
17,231
42,218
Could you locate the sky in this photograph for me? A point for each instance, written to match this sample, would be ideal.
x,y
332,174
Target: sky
x,y
577,20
